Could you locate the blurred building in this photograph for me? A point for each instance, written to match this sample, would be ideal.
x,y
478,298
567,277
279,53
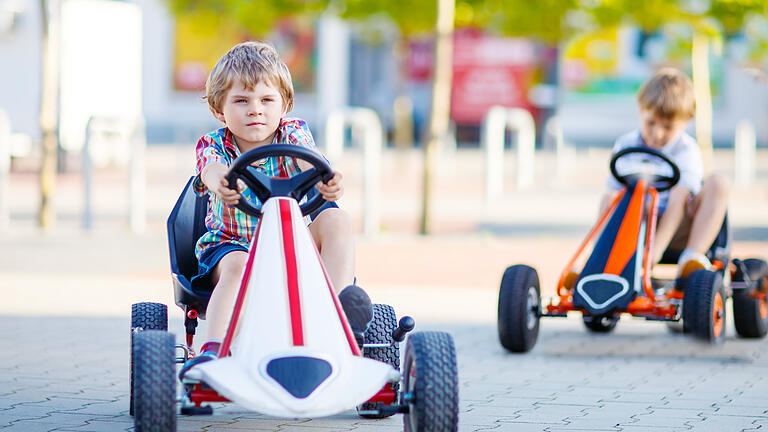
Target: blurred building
x,y
336,64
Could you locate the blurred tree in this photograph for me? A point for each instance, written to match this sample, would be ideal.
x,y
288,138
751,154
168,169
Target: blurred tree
x,y
49,114
708,21
252,17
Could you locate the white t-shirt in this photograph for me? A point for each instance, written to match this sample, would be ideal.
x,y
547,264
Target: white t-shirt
x,y
682,150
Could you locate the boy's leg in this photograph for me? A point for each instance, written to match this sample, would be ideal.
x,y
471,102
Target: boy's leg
x,y
226,279
707,210
334,237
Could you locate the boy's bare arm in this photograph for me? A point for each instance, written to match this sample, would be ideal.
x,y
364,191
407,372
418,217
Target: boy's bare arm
x,y
214,177
670,220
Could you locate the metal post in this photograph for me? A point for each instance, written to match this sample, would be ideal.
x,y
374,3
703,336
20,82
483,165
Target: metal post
x,y
497,120
744,153
137,177
5,167
365,123
562,153
132,131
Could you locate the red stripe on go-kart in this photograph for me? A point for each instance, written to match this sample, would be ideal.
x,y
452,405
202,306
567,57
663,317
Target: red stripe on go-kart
x,y
224,350
291,272
342,317
625,244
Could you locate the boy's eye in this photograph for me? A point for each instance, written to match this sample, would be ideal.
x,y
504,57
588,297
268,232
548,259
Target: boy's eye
x,y
267,100
240,100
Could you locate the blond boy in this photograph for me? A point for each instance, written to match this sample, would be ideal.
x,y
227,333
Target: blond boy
x,y
692,212
250,91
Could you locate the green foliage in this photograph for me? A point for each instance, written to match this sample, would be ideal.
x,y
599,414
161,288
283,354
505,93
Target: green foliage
x,y
252,17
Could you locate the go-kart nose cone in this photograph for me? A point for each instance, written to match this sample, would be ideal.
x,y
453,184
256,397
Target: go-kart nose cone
x,y
299,376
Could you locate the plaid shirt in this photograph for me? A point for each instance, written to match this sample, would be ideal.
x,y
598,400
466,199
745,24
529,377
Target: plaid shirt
x,y
228,224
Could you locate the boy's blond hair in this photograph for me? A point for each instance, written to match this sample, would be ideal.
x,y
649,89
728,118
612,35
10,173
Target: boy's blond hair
x,y
668,94
250,62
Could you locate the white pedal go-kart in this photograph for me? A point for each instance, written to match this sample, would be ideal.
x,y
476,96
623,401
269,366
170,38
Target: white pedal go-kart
x,y
294,354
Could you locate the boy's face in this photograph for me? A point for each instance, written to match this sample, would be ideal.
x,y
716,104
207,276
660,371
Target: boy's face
x,y
658,131
252,115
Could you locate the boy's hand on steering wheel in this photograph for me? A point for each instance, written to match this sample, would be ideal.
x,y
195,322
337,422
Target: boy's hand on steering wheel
x,y
333,190
230,196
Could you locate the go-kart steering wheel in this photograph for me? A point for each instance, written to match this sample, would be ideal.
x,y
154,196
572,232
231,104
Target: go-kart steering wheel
x,y
265,187
657,181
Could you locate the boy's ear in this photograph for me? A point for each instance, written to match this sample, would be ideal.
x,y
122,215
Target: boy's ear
x,y
218,115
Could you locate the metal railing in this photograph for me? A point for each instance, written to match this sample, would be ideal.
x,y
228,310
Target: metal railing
x,y
366,129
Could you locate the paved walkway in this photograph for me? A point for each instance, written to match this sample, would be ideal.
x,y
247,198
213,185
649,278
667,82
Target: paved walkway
x,y
64,316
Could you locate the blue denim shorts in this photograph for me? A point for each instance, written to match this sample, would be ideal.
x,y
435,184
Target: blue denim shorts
x,y
212,255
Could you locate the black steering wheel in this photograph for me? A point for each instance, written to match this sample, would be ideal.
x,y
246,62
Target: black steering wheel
x,y
265,187
657,181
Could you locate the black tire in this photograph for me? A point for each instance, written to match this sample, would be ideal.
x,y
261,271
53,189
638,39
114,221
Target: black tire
x,y
145,316
519,308
431,383
750,315
380,331
704,306
155,381
601,323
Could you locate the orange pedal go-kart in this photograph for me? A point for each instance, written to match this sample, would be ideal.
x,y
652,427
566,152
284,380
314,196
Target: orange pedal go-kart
x,y
616,277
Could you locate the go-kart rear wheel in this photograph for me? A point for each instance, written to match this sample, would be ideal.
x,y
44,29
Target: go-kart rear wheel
x,y
146,316
604,323
154,382
519,308
431,383
750,313
380,332
704,305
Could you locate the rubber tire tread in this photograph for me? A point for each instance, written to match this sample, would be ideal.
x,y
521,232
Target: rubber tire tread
x,y
148,316
698,304
436,391
746,310
380,331
155,381
514,334
595,324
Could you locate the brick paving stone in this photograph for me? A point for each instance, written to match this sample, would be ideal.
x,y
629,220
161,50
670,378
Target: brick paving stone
x,y
70,357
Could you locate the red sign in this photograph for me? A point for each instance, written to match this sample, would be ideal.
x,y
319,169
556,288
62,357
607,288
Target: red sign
x,y
489,71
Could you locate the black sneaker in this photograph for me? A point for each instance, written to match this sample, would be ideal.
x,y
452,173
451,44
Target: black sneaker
x,y
358,309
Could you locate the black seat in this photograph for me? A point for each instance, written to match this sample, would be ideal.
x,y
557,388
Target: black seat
x,y
186,225
720,250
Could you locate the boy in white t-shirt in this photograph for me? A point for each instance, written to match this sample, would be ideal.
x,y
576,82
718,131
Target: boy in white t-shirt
x,y
692,212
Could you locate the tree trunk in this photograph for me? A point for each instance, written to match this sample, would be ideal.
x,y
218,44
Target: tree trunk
x,y
49,115
439,117
703,95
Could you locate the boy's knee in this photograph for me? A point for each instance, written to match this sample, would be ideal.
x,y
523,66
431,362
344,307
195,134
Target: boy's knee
x,y
717,185
233,262
334,221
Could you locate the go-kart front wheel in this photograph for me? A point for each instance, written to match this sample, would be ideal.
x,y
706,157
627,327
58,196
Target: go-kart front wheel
x,y
145,316
519,308
750,312
704,306
431,383
154,393
380,332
